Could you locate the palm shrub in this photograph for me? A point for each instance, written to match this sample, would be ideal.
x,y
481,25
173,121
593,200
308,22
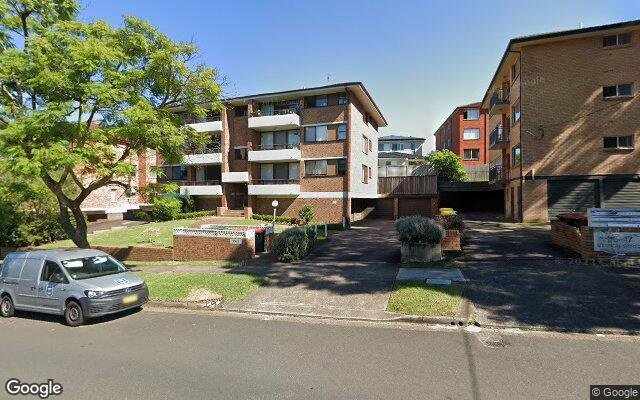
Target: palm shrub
x,y
419,230
291,245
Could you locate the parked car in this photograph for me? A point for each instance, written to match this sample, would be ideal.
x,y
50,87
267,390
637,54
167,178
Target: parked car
x,y
76,283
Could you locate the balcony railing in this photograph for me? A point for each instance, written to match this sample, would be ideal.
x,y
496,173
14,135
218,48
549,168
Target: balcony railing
x,y
211,148
275,146
275,181
196,183
499,136
498,172
267,113
198,120
499,102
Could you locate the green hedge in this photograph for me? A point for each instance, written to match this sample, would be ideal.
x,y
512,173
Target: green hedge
x,y
418,229
279,219
195,214
293,244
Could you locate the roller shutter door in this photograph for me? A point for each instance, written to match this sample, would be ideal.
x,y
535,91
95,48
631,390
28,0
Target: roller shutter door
x,y
571,196
621,193
384,209
408,207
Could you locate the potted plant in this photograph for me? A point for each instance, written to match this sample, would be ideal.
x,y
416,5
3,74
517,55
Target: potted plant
x,y
420,239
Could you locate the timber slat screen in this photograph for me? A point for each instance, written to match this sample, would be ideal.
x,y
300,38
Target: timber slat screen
x,y
425,184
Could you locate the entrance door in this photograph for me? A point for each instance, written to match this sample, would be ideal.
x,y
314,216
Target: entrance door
x,y
238,196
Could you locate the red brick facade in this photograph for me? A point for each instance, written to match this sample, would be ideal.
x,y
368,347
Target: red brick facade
x,y
450,135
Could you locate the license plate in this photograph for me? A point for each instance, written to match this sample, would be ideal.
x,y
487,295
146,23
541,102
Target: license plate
x,y
130,299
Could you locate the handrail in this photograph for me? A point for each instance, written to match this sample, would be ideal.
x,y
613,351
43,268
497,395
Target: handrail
x,y
274,181
285,111
198,120
275,146
500,96
213,147
196,183
499,134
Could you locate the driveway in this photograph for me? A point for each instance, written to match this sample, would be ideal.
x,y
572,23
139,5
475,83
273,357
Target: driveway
x,y
351,275
518,279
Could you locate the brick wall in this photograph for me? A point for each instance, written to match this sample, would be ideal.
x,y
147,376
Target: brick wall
x,y
326,210
322,115
451,241
212,248
137,253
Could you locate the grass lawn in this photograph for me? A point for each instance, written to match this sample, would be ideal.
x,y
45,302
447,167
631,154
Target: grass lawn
x,y
176,286
418,298
130,236
432,264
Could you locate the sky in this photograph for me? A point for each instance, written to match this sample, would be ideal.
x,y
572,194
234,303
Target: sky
x,y
418,59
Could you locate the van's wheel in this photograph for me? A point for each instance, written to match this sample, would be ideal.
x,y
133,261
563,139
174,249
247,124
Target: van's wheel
x,y
73,314
6,307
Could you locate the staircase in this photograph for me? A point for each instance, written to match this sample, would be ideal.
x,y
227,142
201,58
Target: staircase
x,y
233,213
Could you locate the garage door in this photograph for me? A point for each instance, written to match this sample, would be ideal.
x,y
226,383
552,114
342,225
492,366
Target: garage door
x,y
621,194
571,196
408,207
384,209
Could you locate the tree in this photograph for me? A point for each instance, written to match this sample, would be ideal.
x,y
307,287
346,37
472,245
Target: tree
x,y
77,100
448,165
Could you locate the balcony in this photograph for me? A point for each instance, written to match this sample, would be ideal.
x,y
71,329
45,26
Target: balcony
x,y
200,188
275,152
498,173
274,120
209,155
274,187
206,124
499,102
235,177
499,138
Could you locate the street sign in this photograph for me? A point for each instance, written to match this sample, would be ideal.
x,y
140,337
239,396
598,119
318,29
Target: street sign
x,y
616,242
614,217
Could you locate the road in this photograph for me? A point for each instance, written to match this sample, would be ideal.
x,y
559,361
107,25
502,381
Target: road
x,y
165,355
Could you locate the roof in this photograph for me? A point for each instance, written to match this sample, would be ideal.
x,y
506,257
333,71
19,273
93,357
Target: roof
x,y
477,104
397,154
60,254
398,137
558,35
357,88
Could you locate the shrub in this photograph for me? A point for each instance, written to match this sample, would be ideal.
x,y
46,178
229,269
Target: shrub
x,y
166,208
306,214
448,165
416,229
292,244
279,219
451,222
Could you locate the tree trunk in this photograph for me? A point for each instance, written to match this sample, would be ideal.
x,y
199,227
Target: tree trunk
x,y
77,233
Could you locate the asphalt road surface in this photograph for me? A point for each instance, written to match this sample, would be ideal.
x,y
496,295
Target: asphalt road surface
x,y
183,355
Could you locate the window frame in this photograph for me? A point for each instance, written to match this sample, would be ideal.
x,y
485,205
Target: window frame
x,y
516,161
465,114
464,154
617,138
617,89
326,101
617,37
471,129
306,169
342,99
513,113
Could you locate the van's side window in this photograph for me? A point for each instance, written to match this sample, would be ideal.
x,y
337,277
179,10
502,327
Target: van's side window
x,y
49,269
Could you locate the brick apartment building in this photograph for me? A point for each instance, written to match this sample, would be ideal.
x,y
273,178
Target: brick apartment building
x,y
564,121
313,146
464,133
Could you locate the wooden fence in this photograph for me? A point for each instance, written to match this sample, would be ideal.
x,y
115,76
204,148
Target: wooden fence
x,y
425,184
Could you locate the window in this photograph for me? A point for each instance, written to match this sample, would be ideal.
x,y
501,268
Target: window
x,y
516,113
516,156
342,167
315,167
413,146
48,270
240,111
380,147
625,89
342,99
315,133
471,154
618,142
397,146
471,134
471,114
616,40
365,145
240,153
370,145
321,101
365,174
342,132
179,173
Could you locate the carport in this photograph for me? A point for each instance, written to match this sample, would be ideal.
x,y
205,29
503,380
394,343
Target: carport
x,y
471,196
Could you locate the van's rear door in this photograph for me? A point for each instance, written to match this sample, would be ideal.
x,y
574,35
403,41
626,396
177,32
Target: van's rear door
x,y
28,284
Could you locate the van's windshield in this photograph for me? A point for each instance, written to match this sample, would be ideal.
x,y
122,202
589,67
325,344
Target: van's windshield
x,y
92,267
